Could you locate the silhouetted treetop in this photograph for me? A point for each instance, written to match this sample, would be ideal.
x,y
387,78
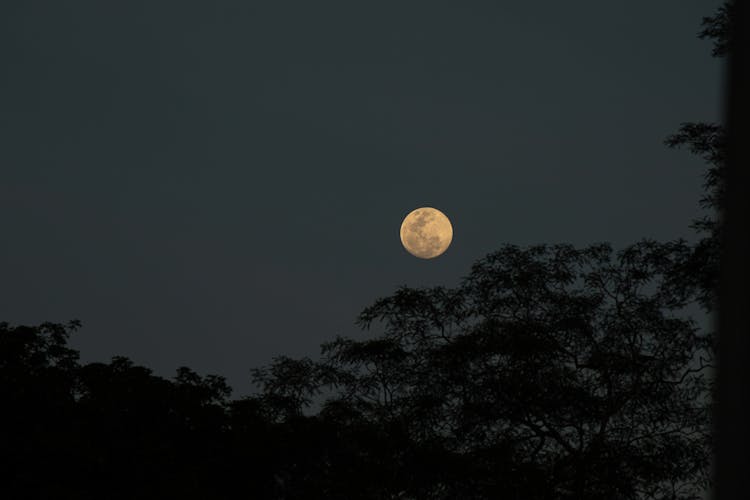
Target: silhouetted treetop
x,y
575,365
37,348
719,28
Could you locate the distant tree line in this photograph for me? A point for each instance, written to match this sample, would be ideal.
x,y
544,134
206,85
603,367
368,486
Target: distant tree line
x,y
550,372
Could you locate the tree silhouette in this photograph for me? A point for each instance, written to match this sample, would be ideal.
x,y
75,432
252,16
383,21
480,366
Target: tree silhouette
x,y
700,272
550,372
719,28
36,381
105,430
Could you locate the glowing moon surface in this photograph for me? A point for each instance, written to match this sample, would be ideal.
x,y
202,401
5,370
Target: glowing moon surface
x,y
426,233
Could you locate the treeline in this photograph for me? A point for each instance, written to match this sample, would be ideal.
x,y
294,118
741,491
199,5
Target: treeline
x,y
551,372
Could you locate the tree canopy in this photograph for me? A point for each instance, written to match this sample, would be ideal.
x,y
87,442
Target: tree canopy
x,y
550,372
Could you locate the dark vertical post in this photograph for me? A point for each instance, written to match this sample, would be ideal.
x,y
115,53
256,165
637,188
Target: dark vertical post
x,y
733,415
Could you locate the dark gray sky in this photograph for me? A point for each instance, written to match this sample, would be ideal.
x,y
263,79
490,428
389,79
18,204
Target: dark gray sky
x,y
212,184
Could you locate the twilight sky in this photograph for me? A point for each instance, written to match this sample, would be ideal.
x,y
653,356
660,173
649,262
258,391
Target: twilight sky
x,y
212,184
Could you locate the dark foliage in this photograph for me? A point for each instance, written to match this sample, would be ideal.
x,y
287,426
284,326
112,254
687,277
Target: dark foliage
x,y
719,28
551,372
701,268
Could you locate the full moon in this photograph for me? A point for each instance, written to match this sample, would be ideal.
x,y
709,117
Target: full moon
x,y
426,233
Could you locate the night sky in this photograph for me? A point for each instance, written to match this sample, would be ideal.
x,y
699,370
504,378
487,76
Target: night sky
x,y
213,184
